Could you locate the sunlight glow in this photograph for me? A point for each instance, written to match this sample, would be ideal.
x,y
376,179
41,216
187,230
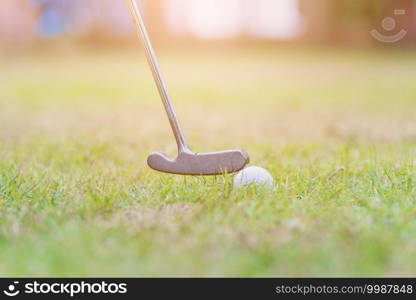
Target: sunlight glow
x,y
231,18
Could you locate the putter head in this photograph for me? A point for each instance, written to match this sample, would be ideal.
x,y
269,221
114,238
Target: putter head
x,y
189,163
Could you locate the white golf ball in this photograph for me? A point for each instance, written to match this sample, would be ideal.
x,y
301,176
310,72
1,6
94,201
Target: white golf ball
x,y
253,175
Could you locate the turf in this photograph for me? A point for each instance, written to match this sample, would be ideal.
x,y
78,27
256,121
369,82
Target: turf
x,y
336,128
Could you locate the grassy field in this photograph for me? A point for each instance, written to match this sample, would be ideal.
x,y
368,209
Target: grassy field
x,y
336,128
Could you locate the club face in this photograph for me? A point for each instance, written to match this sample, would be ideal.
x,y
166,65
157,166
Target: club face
x,y
188,163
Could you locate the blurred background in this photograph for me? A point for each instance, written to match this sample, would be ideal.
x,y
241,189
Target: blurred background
x,y
345,56
347,22
320,92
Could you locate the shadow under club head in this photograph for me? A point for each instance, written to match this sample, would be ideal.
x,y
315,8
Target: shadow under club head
x,y
210,163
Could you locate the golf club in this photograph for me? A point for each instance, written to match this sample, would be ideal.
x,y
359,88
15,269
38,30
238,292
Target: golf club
x,y
187,162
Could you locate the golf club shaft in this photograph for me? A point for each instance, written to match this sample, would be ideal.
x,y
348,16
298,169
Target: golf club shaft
x,y
157,75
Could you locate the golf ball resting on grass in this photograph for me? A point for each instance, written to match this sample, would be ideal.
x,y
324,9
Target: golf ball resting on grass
x,y
253,175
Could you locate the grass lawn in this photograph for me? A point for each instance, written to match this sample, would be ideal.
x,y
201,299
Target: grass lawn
x,y
336,128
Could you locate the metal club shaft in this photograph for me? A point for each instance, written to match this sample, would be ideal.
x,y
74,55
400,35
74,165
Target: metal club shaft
x,y
157,75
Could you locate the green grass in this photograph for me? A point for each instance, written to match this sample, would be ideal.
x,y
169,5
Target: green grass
x,y
336,129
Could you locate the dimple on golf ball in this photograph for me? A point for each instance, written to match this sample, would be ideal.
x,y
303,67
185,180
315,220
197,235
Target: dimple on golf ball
x,y
253,175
